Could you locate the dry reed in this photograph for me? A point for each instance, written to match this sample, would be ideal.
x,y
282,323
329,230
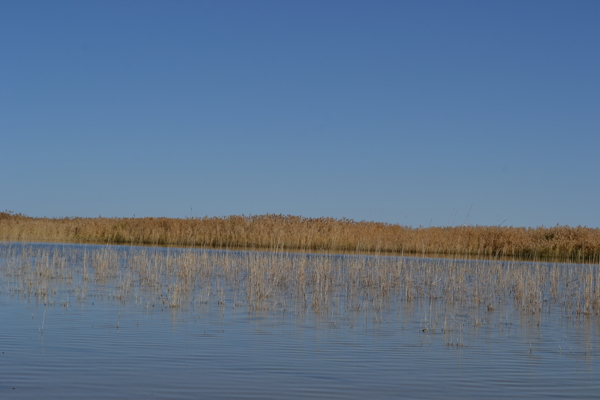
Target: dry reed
x,y
279,232
323,284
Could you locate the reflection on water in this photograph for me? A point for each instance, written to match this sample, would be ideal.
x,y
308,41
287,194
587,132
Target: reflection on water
x,y
108,322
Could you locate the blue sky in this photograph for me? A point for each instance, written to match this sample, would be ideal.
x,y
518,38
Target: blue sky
x,y
419,113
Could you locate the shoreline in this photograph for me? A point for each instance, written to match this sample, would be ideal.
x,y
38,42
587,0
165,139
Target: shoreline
x,y
317,235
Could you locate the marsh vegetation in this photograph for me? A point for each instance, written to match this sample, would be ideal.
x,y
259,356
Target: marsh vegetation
x,y
321,284
280,232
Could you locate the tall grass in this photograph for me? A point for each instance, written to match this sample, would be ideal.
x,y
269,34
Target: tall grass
x,y
284,232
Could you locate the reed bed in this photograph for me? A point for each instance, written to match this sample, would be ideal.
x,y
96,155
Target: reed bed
x,y
281,232
449,293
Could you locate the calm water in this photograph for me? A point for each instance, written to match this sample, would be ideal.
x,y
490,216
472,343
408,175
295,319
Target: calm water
x,y
74,344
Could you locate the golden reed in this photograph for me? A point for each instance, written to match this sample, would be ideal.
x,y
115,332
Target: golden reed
x,y
286,232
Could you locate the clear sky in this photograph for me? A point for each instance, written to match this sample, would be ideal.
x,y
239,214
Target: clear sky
x,y
419,113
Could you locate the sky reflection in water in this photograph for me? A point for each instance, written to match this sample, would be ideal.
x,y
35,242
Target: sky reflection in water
x,y
103,347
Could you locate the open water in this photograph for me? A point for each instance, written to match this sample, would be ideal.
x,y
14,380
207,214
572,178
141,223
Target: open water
x,y
98,346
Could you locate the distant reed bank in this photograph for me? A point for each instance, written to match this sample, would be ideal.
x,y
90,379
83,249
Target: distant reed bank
x,y
286,232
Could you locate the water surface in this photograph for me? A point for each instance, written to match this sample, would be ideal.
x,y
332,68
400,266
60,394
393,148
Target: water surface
x,y
75,342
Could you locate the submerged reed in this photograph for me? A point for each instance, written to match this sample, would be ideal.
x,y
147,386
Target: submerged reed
x,y
449,293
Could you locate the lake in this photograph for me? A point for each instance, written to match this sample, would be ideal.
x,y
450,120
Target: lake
x,y
89,321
